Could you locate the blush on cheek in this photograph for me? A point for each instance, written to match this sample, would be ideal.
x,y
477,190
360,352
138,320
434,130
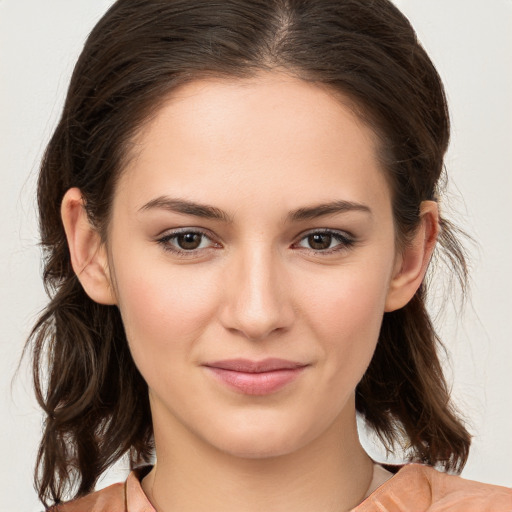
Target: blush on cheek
x,y
351,317
160,313
351,300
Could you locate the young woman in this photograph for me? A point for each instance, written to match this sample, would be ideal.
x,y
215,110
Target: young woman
x,y
238,207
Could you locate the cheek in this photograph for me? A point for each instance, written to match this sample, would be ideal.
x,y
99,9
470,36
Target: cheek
x,y
346,314
163,309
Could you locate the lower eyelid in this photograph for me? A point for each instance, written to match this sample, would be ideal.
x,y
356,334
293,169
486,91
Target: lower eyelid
x,y
345,240
173,236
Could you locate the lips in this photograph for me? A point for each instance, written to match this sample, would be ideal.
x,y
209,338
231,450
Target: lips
x,y
248,366
255,377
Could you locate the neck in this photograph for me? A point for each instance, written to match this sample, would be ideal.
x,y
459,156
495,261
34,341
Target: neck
x,y
331,474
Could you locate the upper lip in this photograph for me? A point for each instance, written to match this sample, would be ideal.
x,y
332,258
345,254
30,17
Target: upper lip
x,y
248,366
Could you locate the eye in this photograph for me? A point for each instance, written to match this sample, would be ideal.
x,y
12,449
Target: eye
x,y
326,241
186,242
189,241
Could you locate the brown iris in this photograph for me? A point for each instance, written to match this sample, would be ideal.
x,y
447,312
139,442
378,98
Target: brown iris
x,y
189,241
319,241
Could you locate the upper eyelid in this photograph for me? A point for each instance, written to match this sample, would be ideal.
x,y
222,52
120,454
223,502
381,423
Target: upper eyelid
x,y
179,231
336,233
165,238
301,236
208,233
342,232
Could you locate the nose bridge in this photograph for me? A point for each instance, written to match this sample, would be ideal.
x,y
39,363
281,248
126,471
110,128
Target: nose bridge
x,y
257,303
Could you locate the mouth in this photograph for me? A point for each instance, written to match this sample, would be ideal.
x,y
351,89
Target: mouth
x,y
255,377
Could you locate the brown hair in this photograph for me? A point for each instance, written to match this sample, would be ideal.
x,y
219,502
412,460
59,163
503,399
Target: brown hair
x,y
95,400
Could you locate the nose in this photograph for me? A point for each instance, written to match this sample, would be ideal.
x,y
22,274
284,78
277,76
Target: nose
x,y
257,299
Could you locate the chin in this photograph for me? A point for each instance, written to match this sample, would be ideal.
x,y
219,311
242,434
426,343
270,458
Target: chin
x,y
259,448
259,441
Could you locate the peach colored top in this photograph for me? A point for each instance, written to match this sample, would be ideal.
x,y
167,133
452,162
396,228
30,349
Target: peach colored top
x,y
415,488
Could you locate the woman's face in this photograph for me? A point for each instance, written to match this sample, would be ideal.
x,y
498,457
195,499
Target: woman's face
x,y
252,248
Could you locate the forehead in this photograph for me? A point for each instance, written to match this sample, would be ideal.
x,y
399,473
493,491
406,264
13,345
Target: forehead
x,y
272,133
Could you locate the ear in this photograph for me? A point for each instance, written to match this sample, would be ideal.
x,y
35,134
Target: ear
x,y
88,253
411,264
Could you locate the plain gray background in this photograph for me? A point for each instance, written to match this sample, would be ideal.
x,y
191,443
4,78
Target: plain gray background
x,y
470,42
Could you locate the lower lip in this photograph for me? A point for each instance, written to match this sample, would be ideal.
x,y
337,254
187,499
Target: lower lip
x,y
262,383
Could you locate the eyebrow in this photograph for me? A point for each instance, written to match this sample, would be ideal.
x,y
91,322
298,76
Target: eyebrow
x,y
211,212
312,212
188,208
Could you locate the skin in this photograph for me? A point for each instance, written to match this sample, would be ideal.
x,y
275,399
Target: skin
x,y
255,287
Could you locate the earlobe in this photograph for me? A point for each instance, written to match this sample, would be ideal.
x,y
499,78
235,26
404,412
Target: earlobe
x,y
87,252
413,261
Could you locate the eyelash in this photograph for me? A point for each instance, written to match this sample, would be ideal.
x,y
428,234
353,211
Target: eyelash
x,y
167,246
345,240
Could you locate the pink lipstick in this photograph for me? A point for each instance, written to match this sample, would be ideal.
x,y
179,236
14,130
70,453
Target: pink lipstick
x,y
256,377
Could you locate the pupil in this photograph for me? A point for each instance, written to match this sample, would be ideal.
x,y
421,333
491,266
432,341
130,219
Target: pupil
x,y
189,240
320,242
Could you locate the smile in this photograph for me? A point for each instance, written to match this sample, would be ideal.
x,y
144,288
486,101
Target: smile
x,y
255,377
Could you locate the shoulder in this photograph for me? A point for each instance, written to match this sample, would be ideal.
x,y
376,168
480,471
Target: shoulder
x,y
111,499
121,497
422,488
465,494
